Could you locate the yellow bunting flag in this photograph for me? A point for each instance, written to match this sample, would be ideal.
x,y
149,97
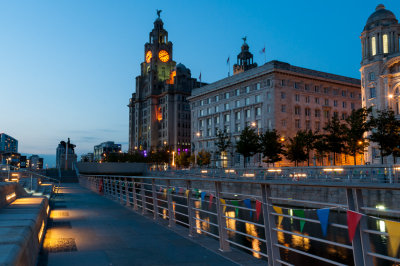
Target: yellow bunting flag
x,y
278,210
393,229
165,192
223,203
187,192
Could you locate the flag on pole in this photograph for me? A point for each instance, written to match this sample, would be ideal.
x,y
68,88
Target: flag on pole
x,y
262,50
227,61
200,77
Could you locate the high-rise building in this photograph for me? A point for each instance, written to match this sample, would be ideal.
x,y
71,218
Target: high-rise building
x,y
159,113
65,155
8,143
104,149
380,67
276,95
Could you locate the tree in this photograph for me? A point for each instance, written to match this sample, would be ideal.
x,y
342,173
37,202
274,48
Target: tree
x,y
203,158
295,149
183,159
334,137
385,132
247,144
223,142
271,146
320,147
356,125
308,138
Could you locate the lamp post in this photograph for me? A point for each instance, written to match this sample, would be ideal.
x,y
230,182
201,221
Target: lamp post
x,y
254,124
195,155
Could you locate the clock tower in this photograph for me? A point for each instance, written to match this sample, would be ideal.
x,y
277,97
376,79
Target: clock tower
x,y
156,108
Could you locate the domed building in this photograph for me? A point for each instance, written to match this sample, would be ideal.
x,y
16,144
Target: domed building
x,y
380,67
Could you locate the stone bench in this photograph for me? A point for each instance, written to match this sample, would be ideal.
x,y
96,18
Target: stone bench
x,y
22,228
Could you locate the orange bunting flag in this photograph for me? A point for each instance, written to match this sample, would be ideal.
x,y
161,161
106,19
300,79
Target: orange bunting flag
x,y
353,218
223,203
278,210
258,209
211,200
165,192
393,229
187,192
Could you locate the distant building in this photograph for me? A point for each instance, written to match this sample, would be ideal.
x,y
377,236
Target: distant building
x,y
65,155
380,68
35,162
159,113
88,157
11,158
104,149
276,95
8,143
23,162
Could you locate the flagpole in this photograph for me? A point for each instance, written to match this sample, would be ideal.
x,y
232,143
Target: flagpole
x,y
265,55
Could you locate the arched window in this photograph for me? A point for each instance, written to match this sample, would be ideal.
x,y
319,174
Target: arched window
x,y
373,45
385,44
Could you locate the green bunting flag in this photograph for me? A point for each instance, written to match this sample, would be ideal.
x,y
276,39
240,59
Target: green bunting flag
x,y
300,213
236,203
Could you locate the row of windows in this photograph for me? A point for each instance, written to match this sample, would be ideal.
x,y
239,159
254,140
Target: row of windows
x,y
227,106
227,117
307,99
326,90
227,95
307,111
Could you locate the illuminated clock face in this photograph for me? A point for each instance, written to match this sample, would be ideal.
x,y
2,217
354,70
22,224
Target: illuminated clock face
x,y
149,55
163,55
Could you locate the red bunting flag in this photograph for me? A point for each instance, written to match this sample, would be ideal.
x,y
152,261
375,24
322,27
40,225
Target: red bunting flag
x,y
211,200
353,218
258,209
181,191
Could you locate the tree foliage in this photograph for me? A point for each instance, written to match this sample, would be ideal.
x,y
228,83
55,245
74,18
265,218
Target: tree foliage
x,y
295,151
334,137
271,146
203,158
248,143
183,159
223,142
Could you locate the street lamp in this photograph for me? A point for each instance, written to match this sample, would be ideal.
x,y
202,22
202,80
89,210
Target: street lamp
x,y
195,155
254,124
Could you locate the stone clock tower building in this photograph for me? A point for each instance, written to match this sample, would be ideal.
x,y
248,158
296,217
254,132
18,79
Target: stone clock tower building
x,y
380,67
159,114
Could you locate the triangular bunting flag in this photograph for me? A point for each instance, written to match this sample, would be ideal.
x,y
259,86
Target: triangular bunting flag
x,y
180,190
300,213
165,192
202,195
247,203
224,206
258,209
211,200
278,210
187,192
236,203
353,218
323,216
160,189
393,229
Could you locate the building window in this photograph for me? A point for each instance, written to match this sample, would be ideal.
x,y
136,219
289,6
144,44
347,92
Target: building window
x,y
297,97
201,112
216,120
227,118
227,106
237,103
352,106
344,104
317,125
335,92
283,95
351,94
307,99
268,108
258,86
316,88
248,113
307,112
268,82
297,110
326,90
297,123
258,98
237,92
226,95
258,111
247,101
373,45
268,95
308,124
217,109
296,85
317,113
209,110
385,44
247,89
283,108
372,92
317,100
201,102
283,123
371,76
217,98
237,127
209,121
344,93
326,113
306,87
283,82
209,132
209,100
335,103
237,115
327,102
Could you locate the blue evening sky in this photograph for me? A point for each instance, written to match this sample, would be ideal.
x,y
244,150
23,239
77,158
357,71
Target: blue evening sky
x,y
67,68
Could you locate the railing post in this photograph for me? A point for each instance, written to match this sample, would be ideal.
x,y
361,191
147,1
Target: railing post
x,y
142,193
113,188
269,225
190,208
135,204
170,208
120,195
155,200
126,191
359,203
357,245
223,236
107,186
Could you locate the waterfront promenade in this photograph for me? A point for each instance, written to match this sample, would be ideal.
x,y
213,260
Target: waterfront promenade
x,y
88,229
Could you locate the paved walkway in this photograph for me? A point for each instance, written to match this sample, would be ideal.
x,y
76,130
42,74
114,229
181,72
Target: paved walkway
x,y
88,229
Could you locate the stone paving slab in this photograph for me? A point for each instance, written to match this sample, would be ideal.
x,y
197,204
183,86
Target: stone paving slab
x,y
106,233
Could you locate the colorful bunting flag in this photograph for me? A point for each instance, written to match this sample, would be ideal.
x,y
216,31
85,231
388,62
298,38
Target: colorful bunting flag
x,y
278,210
211,200
236,203
165,192
247,203
187,192
180,190
258,209
223,203
353,218
160,189
393,229
202,195
300,213
323,216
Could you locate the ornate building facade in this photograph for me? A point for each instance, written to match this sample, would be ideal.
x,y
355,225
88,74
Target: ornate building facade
x,y
159,113
380,67
276,95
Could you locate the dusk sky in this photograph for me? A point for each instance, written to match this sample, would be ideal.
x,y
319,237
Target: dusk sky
x,y
67,68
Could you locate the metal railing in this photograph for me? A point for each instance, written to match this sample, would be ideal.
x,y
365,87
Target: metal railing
x,y
179,200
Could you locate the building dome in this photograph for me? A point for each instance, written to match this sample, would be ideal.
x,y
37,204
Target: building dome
x,y
381,17
180,66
